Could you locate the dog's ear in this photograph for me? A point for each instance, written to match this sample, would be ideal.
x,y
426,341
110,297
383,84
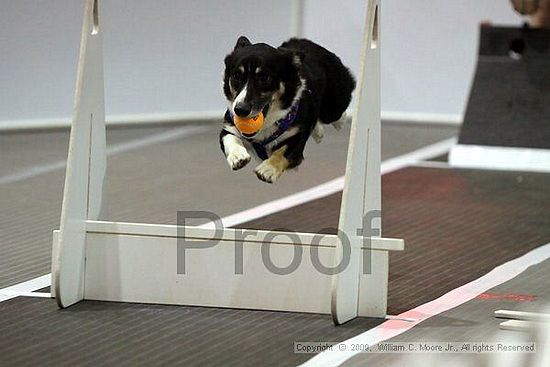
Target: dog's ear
x,y
228,59
242,42
295,56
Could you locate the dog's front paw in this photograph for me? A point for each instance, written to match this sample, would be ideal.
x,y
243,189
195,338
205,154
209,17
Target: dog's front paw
x,y
268,172
238,158
338,124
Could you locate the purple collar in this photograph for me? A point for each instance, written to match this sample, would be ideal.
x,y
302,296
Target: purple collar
x,y
282,125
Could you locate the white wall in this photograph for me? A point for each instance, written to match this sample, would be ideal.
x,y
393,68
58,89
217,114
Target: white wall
x,y
160,56
167,55
429,47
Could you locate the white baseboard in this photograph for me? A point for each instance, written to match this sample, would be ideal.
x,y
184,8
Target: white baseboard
x,y
212,115
115,120
500,158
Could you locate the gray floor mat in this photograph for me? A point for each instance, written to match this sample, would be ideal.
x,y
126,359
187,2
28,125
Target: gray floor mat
x,y
472,321
150,184
121,334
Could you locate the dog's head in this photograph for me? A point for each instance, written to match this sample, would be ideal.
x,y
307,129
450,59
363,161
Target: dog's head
x,y
259,77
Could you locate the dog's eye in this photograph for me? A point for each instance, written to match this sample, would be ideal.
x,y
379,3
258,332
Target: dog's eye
x,y
264,79
238,75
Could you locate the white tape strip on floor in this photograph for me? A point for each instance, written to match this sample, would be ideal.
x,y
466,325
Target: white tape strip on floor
x,y
155,119
166,136
452,299
26,294
25,287
274,206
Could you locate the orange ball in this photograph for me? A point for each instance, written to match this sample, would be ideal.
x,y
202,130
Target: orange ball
x,y
249,126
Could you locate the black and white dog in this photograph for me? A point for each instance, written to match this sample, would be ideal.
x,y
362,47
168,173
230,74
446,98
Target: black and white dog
x,y
298,87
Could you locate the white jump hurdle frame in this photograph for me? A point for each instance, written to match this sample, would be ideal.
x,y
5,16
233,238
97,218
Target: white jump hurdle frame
x,y
131,262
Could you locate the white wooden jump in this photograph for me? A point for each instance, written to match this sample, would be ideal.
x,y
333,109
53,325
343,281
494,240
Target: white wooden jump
x,y
131,262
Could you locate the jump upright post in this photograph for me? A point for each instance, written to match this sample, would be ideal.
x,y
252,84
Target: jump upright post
x,y
133,262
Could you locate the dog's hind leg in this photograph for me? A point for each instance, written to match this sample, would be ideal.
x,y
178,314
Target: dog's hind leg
x,y
318,132
272,168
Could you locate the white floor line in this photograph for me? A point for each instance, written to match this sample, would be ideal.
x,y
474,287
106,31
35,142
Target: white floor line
x,y
26,294
28,286
452,299
290,201
166,136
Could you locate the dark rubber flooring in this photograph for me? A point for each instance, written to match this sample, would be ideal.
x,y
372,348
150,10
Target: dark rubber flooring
x,y
36,332
474,322
458,224
150,183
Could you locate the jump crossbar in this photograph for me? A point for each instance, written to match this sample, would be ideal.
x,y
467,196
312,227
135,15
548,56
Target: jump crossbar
x,y
235,234
154,263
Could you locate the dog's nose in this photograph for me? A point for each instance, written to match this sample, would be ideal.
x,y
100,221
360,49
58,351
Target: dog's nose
x,y
243,110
